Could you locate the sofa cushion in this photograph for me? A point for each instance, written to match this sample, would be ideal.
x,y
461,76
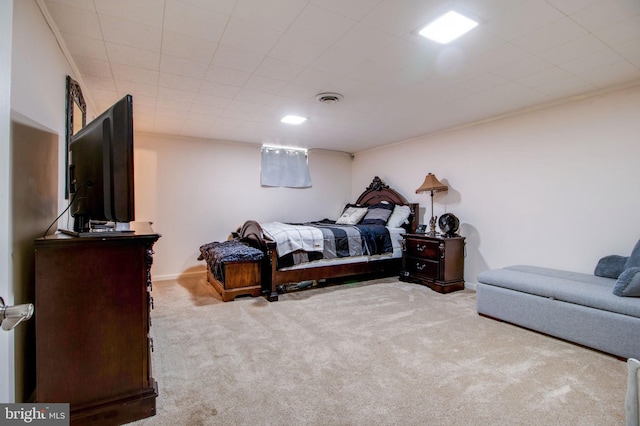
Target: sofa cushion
x,y
634,258
610,266
567,275
591,291
628,284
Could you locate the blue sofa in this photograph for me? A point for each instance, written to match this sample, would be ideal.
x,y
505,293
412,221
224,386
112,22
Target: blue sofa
x,y
577,307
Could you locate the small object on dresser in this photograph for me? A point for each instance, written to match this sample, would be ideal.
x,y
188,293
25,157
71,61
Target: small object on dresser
x,y
449,224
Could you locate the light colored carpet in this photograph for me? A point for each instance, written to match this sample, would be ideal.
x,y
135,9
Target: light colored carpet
x,y
380,352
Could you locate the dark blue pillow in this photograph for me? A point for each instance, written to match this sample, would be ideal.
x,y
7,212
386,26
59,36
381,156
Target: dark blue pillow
x,y
610,266
634,259
628,283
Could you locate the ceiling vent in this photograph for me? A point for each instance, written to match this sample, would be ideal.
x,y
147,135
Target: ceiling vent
x,y
329,97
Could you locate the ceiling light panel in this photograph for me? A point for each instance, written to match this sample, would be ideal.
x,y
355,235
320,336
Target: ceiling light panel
x,y
448,27
293,119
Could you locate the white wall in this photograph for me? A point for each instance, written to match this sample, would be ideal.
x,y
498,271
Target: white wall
x,y
38,72
197,191
557,187
38,85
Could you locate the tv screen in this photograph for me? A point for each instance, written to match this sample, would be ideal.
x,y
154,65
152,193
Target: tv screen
x,y
101,169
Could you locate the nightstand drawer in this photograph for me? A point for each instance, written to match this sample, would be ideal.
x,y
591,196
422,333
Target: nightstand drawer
x,y
423,248
429,268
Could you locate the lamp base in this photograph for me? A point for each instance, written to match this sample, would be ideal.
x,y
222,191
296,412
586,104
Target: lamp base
x,y
432,225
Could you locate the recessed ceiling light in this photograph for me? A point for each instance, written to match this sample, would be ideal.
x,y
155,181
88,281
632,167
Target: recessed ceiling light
x,y
293,119
448,27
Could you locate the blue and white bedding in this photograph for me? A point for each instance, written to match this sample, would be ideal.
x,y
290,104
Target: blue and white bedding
x,y
290,238
300,243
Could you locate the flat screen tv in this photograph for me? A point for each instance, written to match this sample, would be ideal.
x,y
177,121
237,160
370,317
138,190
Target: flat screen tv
x,y
101,171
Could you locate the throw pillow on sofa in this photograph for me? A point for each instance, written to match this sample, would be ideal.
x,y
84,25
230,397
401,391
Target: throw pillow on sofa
x,y
628,283
610,266
634,259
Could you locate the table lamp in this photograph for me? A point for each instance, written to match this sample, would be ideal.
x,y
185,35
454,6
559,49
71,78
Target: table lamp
x,y
433,185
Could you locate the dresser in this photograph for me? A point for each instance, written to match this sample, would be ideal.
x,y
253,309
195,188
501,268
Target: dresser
x,y
433,260
92,313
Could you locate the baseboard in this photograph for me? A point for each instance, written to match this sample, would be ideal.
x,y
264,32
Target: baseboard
x,y
203,274
196,274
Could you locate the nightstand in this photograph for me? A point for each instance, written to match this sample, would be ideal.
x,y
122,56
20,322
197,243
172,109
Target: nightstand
x,y
436,261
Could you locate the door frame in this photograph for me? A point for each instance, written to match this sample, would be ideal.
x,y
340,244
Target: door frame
x,y
7,350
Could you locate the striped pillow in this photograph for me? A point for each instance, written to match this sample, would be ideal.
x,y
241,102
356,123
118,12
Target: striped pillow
x,y
378,214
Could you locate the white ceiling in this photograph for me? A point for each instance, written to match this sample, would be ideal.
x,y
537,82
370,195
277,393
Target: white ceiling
x,y
230,69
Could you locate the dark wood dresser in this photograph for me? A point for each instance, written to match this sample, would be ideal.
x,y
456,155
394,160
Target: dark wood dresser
x,y
92,312
433,260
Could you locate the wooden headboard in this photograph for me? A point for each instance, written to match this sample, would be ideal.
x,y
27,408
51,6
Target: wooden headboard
x,y
378,191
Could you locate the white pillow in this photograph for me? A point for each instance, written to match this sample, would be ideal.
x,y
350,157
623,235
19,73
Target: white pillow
x,y
352,216
399,216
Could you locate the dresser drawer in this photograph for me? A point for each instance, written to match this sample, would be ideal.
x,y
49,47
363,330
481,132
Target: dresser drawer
x,y
423,248
428,268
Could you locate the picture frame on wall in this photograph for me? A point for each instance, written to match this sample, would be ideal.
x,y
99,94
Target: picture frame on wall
x,y
76,111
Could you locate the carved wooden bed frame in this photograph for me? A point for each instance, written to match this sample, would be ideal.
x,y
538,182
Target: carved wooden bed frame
x,y
251,233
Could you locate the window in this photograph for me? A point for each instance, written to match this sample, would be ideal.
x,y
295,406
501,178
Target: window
x,y
286,167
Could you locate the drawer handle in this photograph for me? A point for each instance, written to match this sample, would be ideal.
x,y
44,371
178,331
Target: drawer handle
x,y
421,247
420,266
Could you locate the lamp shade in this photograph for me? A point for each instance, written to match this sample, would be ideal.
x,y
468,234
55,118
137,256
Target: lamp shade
x,y
431,183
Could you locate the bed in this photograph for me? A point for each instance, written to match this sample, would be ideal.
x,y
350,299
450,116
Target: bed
x,y
277,269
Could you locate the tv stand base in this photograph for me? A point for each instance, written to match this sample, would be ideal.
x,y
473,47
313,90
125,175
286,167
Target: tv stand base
x,y
124,410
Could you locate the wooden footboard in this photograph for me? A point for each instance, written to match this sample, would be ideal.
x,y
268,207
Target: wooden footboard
x,y
386,267
252,233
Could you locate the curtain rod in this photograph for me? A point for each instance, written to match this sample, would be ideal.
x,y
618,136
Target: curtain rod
x,y
333,150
